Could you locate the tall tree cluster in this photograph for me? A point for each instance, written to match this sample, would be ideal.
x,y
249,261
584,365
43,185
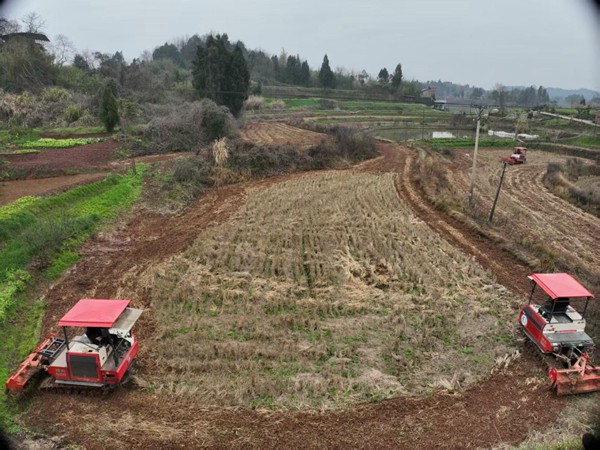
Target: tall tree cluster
x,y
221,74
527,97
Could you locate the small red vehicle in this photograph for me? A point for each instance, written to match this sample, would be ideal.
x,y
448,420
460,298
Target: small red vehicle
x,y
519,156
557,328
100,357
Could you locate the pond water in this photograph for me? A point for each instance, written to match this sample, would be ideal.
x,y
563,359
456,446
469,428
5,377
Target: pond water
x,y
412,133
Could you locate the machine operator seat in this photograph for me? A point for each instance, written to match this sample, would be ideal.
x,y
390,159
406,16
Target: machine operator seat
x,y
98,336
557,306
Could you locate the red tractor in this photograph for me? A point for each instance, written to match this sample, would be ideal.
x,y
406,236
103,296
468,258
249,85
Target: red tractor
x,y
518,156
556,328
98,359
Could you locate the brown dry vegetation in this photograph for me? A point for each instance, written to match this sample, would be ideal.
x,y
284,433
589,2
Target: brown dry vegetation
x,y
577,181
323,291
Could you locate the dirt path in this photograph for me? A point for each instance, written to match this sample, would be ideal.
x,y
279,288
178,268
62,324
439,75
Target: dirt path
x,y
503,409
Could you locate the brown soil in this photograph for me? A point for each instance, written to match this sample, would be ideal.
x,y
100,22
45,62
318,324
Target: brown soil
x,y
503,409
13,190
86,157
96,157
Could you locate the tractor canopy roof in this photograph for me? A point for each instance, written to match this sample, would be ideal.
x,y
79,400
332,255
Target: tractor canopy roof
x,y
94,313
560,285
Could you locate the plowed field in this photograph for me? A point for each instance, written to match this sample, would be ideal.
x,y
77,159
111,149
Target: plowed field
x,y
533,213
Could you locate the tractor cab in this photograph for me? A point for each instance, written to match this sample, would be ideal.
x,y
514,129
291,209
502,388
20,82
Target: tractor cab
x,y
555,326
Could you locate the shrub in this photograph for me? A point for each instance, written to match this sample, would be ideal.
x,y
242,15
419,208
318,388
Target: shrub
x,y
216,120
72,114
263,161
194,173
326,103
55,94
355,144
254,103
188,128
277,104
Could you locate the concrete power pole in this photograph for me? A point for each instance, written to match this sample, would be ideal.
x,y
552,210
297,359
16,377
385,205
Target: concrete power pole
x,y
480,109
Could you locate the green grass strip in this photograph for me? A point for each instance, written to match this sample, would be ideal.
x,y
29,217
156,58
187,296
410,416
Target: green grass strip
x,y
46,233
59,143
441,144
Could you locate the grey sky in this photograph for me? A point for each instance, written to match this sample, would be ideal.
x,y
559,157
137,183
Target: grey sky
x,y
480,42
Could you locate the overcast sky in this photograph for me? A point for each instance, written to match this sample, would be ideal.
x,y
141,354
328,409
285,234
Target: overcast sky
x,y
554,43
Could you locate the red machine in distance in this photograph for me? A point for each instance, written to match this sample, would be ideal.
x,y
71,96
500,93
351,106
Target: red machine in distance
x,y
519,156
557,328
99,358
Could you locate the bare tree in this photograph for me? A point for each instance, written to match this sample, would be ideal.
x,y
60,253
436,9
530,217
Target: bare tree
x,y
90,59
8,26
33,23
146,56
62,49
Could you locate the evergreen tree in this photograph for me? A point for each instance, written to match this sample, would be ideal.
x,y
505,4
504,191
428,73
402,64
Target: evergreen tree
x,y
305,74
237,82
397,77
326,75
80,62
220,74
384,76
109,109
168,51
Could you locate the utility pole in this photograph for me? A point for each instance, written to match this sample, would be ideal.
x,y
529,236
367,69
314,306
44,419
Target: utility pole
x,y
497,193
480,109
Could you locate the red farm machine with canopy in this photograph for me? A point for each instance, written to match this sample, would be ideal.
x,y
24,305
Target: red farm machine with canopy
x,y
519,156
98,359
556,328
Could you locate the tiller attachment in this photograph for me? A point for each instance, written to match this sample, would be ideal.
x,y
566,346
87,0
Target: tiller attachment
x,y
33,363
580,378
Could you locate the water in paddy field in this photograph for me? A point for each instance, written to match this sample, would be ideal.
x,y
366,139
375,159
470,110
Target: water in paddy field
x,y
413,133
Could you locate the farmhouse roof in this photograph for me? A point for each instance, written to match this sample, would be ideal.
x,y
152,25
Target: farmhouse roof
x,y
33,36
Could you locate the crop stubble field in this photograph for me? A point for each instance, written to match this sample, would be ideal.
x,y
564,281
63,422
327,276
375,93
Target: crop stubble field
x,y
323,291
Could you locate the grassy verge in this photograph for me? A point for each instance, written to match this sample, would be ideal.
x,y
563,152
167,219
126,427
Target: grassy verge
x,y
39,238
441,144
583,141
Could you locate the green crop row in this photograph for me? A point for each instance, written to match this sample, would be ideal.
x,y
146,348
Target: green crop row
x,y
440,144
44,234
59,143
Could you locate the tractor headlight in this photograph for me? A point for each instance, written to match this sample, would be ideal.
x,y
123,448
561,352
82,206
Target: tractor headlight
x,y
556,348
